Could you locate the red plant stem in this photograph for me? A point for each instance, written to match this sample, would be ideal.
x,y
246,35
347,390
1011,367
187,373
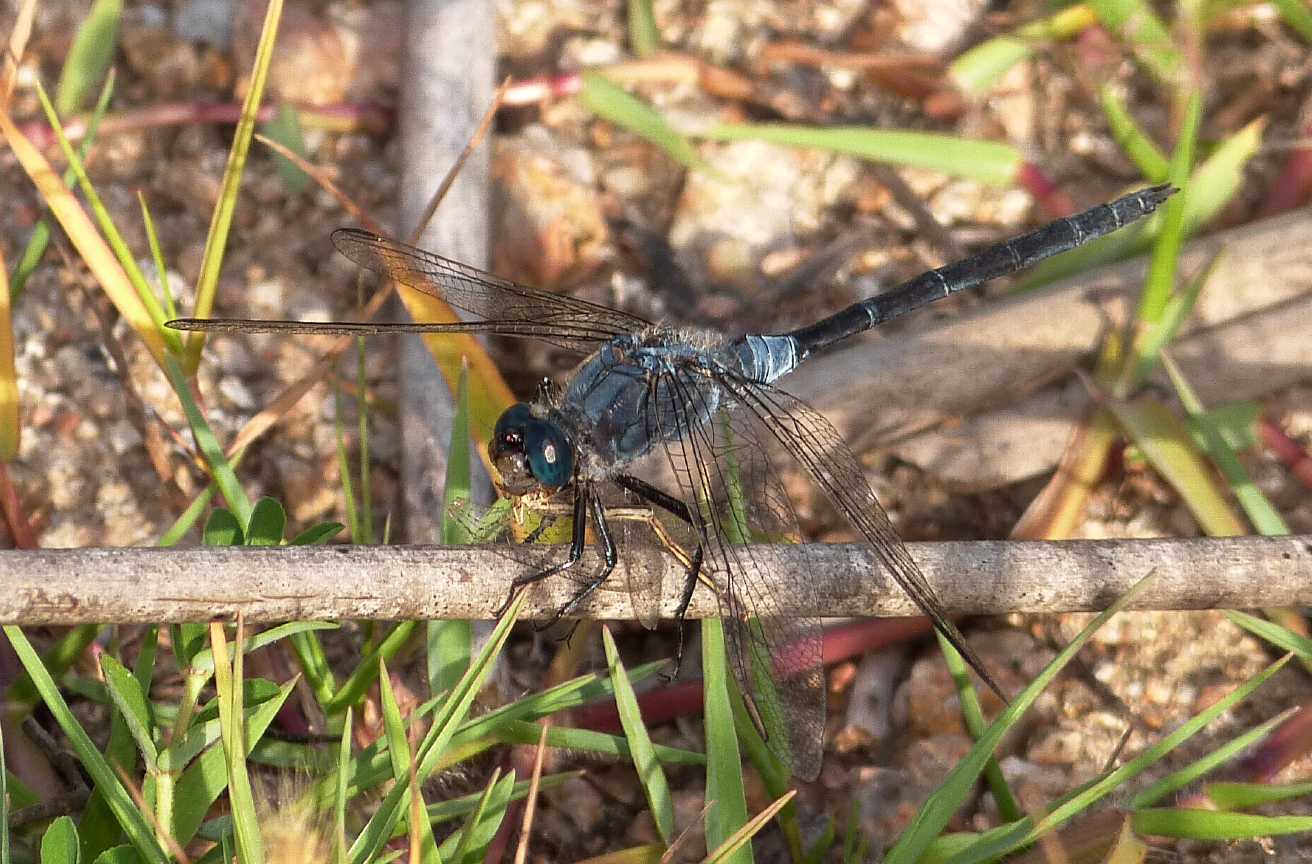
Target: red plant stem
x,y
684,698
1287,450
1292,186
19,528
1055,203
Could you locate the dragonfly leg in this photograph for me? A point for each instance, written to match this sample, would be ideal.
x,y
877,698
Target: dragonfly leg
x,y
678,509
608,551
577,542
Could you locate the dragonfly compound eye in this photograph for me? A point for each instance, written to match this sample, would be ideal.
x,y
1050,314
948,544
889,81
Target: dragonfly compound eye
x,y
530,452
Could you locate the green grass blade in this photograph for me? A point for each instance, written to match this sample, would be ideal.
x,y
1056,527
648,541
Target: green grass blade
x,y
317,535
1269,631
1136,23
232,724
588,741
88,753
398,747
1211,825
449,716
133,706
1135,142
725,797
189,517
89,57
612,102
1246,796
1165,442
960,782
117,244
990,162
976,70
364,675
5,857
1160,282
217,239
470,845
1026,831
648,767
59,845
344,471
973,716
449,644
1196,770
1297,16
644,35
157,255
341,799
220,468
1218,442
750,829
39,240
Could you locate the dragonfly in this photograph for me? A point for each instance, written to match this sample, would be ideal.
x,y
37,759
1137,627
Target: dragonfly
x,y
699,411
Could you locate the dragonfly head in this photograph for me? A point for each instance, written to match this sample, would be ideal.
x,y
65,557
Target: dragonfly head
x,y
530,451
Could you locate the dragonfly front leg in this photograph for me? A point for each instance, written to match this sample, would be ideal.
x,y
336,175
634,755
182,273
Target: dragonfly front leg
x,y
577,541
609,553
667,502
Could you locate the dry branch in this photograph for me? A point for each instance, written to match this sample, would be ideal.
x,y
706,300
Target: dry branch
x,y
77,586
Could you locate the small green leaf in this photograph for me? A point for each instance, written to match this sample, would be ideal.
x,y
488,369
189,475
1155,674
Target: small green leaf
x,y
59,844
317,535
268,521
1246,796
222,529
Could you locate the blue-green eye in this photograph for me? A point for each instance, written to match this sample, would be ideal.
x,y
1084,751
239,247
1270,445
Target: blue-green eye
x,y
530,452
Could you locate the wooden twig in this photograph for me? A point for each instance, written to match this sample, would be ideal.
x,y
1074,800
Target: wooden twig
x,y
140,585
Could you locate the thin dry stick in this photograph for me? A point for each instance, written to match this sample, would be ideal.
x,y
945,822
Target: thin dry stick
x,y
144,585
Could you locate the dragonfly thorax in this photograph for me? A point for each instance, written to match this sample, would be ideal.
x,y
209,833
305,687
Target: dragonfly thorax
x,y
530,451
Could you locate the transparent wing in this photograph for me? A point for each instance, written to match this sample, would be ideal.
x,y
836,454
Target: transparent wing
x,y
508,307
727,476
816,444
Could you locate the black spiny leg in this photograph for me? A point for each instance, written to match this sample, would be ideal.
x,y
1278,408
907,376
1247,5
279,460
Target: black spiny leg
x,y
679,510
608,552
577,542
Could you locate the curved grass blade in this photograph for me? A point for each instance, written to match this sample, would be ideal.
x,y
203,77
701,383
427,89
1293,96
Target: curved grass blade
x,y
228,678
221,221
612,102
988,162
960,782
725,797
644,758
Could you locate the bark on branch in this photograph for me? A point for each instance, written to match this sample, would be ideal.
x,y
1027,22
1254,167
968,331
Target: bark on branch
x,y
137,585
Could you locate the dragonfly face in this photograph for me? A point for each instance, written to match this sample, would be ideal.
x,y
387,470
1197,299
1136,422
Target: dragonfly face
x,y
530,451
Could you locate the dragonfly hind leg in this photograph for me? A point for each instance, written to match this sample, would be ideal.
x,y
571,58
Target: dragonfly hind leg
x,y
667,502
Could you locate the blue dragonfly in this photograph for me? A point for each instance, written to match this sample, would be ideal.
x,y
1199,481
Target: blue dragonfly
x,y
700,410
